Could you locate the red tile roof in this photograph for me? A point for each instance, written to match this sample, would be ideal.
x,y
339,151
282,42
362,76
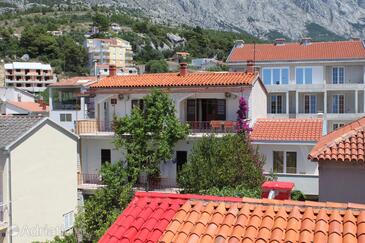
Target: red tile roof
x,y
344,144
75,81
175,80
28,106
287,129
353,49
194,218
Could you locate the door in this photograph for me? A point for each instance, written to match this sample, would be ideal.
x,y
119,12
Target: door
x,y
181,159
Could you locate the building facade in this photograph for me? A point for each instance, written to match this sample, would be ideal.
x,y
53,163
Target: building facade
x,y
30,76
112,51
308,79
200,98
340,155
285,144
38,178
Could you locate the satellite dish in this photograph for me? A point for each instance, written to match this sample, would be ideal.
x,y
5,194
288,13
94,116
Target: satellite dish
x,y
25,57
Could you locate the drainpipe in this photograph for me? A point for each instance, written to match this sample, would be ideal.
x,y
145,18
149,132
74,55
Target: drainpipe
x,y
10,208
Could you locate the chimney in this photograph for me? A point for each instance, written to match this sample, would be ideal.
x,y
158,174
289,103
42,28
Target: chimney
x,y
239,44
279,41
306,41
183,69
277,190
250,66
112,70
44,106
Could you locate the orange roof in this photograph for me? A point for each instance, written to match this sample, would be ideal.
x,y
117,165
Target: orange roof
x,y
287,129
28,106
175,80
165,218
75,81
343,144
353,49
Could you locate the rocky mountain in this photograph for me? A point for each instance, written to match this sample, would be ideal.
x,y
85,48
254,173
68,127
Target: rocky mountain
x,y
320,19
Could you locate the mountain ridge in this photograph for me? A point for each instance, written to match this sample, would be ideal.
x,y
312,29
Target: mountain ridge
x,y
320,19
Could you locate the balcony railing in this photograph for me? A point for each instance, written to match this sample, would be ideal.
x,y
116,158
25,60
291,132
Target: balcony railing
x,y
84,178
212,126
156,183
93,127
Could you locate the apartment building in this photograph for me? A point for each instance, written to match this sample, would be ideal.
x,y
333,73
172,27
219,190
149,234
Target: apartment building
x,y
30,76
112,51
308,79
200,98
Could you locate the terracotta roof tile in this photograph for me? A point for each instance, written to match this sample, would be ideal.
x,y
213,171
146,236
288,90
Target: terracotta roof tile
x,y
175,80
287,129
28,106
235,220
343,144
353,49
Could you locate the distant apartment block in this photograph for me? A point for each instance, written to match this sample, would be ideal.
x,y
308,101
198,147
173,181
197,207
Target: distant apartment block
x,y
113,51
30,76
308,79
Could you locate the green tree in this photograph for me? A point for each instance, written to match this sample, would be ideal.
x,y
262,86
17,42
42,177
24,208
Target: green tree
x,y
9,44
157,66
101,21
220,162
74,56
102,208
148,136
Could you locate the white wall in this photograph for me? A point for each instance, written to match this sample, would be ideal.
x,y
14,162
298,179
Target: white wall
x,y
258,103
91,153
44,184
306,178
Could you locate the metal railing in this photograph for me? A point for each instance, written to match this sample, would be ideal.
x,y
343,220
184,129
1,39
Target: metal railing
x,y
93,126
85,178
212,126
156,183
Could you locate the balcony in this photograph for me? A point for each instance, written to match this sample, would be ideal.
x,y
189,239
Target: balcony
x,y
212,126
94,181
94,127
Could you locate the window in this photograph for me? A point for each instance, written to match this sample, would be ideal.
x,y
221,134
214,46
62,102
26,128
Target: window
x,y
337,125
65,117
284,162
338,76
304,75
138,103
68,221
310,104
105,156
278,163
275,75
276,104
291,162
338,104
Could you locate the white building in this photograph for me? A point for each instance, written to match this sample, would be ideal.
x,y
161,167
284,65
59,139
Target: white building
x,y
200,98
69,101
30,76
20,102
285,144
307,78
38,179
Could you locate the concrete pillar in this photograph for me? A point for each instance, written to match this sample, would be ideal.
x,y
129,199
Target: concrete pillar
x,y
297,102
287,103
325,102
356,101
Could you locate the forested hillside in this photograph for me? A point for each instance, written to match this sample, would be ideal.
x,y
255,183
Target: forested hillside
x,y
29,33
